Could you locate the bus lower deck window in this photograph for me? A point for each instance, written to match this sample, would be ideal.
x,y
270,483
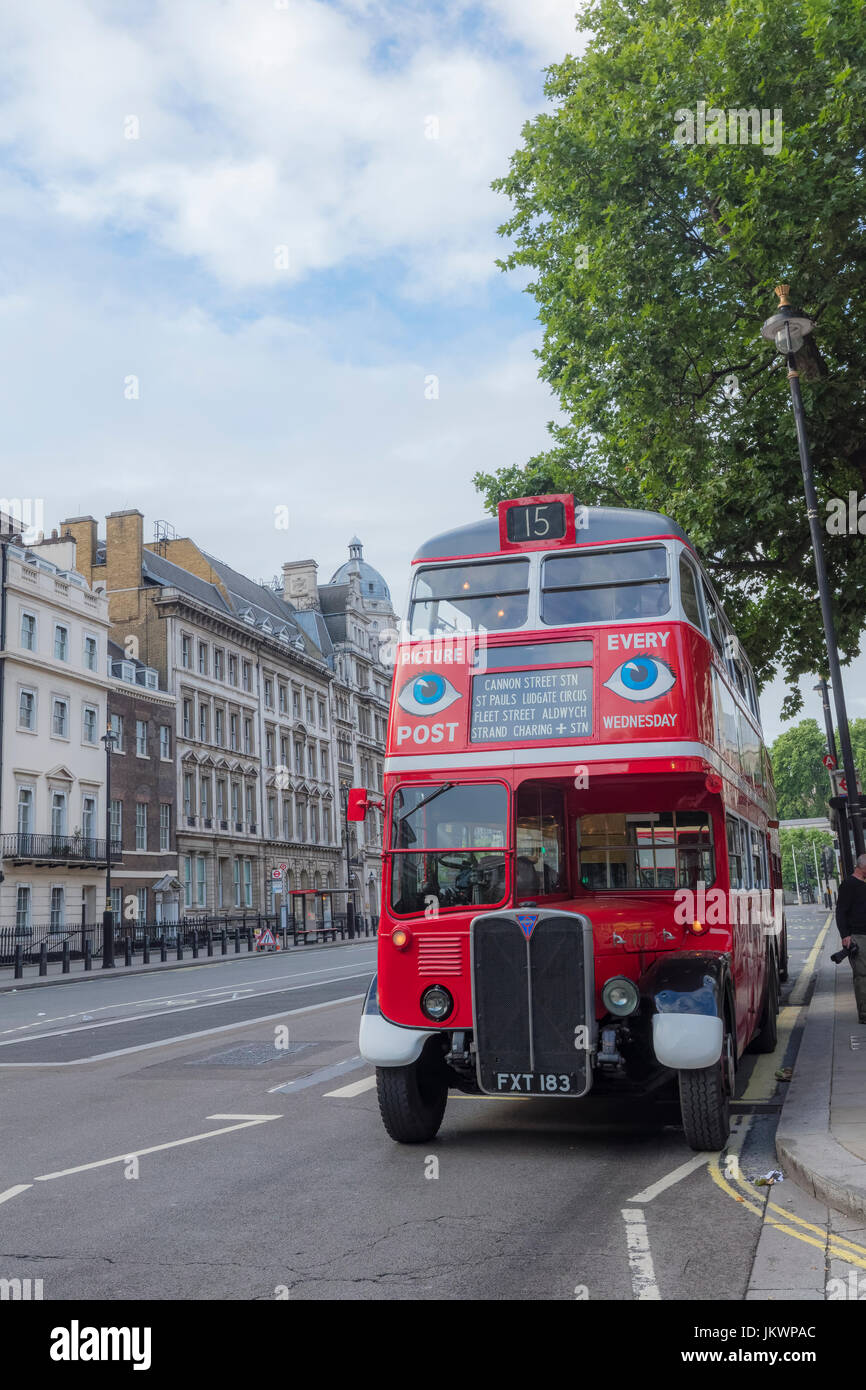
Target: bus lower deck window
x,y
651,849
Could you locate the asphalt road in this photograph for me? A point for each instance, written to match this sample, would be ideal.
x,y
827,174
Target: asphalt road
x,y
211,1132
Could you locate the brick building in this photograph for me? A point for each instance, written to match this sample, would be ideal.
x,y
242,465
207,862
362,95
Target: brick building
x,y
143,791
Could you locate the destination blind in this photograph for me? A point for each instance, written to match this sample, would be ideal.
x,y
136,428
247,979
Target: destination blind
x,y
508,706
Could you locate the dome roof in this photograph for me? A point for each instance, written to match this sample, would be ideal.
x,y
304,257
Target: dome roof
x,y
373,585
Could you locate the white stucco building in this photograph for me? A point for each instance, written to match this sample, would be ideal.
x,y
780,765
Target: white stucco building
x,y
53,708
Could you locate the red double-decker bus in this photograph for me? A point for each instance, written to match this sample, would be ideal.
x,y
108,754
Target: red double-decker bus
x,y
583,880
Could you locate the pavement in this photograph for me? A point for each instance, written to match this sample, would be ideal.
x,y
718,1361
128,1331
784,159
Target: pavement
x,y
821,1136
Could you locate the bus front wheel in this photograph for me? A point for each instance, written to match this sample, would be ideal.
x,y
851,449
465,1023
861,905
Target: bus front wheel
x,y
705,1096
412,1099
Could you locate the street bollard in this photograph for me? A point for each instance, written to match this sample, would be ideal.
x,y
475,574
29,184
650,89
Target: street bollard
x,y
224,942
249,939
127,951
65,967
180,946
237,941
209,941
145,950
19,961
43,958
195,945
88,955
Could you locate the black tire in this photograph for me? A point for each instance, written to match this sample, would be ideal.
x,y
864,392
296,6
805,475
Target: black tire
x,y
705,1096
783,958
767,1037
412,1099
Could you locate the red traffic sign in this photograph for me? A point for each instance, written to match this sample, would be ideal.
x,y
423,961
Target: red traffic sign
x,y
276,873
843,786
283,868
829,761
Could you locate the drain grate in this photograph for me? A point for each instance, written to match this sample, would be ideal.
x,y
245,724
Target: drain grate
x,y
256,1054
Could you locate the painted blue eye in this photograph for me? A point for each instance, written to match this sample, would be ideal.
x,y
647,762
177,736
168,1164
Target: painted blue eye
x,y
428,693
642,678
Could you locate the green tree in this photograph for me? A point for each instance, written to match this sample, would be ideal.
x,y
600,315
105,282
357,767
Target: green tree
x,y
653,264
800,841
802,784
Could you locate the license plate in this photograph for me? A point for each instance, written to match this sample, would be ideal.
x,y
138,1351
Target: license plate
x,y
536,1083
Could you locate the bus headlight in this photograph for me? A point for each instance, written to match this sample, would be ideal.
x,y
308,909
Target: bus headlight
x,y
436,1003
620,996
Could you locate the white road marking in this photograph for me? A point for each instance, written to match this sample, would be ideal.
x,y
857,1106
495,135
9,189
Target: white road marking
x,y
643,1276
355,1088
160,1013
676,1176
167,998
13,1191
243,1117
157,1148
187,1037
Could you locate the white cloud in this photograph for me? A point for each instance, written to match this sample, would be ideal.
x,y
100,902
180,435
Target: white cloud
x,y
262,127
230,425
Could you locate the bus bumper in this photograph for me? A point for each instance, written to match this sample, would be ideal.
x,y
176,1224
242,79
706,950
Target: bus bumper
x,y
384,1044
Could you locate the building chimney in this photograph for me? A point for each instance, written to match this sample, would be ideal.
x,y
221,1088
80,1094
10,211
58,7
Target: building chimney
x,y
124,537
300,584
82,529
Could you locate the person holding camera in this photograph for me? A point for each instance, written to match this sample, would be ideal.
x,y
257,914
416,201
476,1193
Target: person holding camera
x,y
851,921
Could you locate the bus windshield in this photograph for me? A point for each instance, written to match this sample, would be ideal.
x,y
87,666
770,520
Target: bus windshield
x,y
448,846
464,598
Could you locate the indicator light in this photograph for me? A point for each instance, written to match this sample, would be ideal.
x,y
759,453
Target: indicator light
x,y
697,928
400,938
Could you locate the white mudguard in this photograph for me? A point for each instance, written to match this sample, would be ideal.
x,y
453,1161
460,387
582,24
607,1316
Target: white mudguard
x,y
687,1042
384,1044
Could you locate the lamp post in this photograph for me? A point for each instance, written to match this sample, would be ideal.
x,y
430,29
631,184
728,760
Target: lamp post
x,y
824,691
786,329
108,738
350,903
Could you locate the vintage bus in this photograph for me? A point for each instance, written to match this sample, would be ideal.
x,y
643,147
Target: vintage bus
x,y
582,874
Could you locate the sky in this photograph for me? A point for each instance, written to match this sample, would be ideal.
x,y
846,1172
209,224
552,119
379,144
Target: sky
x,y
249,268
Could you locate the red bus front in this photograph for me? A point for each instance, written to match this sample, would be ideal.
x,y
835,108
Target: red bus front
x,y
579,821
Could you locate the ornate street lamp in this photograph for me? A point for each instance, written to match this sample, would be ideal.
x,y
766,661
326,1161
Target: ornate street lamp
x,y
787,329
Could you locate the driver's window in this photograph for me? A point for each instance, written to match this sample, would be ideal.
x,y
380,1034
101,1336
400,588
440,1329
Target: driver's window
x,y
540,857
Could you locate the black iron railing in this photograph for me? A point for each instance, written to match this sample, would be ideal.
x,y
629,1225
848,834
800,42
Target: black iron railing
x,y
74,848
222,934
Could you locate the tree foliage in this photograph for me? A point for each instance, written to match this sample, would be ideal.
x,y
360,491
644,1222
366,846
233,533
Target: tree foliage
x,y
799,841
653,265
802,783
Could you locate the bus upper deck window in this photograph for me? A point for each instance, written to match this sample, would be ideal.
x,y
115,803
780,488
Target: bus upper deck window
x,y
689,593
605,586
464,598
716,628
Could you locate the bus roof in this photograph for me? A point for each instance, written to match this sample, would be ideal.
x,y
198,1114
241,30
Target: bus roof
x,y
605,524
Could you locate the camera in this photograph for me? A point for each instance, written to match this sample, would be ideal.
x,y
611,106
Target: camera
x,y
845,953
